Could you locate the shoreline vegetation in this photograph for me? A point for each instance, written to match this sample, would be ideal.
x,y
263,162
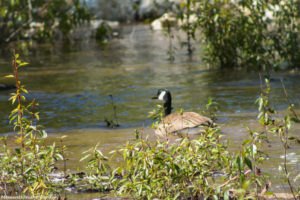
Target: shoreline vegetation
x,y
197,168
256,35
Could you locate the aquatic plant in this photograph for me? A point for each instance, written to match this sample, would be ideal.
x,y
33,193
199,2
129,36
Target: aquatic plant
x,y
211,108
112,123
98,176
171,48
103,32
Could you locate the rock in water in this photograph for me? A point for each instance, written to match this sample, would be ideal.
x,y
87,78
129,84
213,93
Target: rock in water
x,y
6,87
112,10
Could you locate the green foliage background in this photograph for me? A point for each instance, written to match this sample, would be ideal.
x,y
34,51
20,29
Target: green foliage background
x,y
39,19
253,34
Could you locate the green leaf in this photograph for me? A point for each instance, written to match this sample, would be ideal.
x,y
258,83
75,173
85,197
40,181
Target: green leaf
x,y
37,147
22,98
297,177
13,99
140,189
84,157
291,138
288,122
23,63
254,150
268,193
24,90
18,150
245,142
246,184
226,195
12,118
43,134
248,162
63,137
215,197
37,116
59,156
28,170
239,163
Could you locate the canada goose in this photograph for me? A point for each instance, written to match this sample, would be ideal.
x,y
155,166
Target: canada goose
x,y
177,123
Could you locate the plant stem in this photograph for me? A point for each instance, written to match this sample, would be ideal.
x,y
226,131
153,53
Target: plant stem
x,y
20,113
288,100
171,36
189,27
32,106
65,166
284,142
115,109
264,107
29,9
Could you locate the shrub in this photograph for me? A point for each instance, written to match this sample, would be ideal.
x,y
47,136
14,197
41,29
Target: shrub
x,y
27,164
192,169
39,19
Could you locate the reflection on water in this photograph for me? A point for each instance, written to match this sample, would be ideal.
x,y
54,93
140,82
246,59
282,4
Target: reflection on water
x,y
72,83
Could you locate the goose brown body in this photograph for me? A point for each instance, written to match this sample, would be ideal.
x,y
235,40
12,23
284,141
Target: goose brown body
x,y
177,122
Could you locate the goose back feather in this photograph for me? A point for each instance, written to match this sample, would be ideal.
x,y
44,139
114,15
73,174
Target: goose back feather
x,y
176,122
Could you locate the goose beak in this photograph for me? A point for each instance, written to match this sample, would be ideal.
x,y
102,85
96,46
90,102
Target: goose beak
x,y
155,97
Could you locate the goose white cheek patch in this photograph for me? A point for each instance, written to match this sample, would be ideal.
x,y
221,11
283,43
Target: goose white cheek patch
x,y
161,96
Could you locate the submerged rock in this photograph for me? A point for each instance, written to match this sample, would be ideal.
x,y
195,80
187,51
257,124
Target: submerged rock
x,y
99,29
168,19
6,87
113,10
129,10
152,9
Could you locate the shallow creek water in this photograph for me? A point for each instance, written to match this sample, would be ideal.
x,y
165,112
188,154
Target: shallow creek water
x,y
72,83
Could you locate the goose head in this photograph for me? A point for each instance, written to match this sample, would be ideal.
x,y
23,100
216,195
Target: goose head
x,y
165,96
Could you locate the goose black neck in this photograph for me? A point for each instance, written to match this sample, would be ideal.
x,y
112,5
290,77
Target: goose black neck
x,y
168,107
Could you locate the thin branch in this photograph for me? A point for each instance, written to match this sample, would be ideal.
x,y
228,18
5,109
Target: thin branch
x,y
29,10
44,7
17,31
234,178
288,100
284,142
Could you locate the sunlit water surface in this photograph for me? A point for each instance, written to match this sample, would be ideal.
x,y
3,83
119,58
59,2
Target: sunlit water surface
x,y
72,83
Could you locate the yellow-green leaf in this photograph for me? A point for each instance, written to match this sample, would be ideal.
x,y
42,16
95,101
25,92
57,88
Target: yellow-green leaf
x,y
37,116
24,90
84,157
23,63
64,136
